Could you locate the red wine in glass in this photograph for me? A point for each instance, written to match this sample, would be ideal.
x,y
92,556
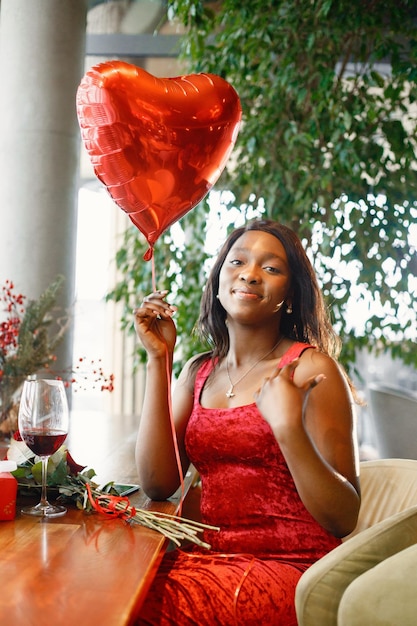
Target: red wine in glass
x,y
43,426
44,443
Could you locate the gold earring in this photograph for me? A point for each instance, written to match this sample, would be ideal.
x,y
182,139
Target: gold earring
x,y
289,309
278,306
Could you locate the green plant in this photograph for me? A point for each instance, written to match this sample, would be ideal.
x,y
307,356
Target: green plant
x,y
27,337
327,145
178,267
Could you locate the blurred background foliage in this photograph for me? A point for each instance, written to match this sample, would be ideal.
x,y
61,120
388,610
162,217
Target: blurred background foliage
x,y
327,145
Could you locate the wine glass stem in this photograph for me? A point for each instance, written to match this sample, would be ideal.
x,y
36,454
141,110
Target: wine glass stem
x,y
44,460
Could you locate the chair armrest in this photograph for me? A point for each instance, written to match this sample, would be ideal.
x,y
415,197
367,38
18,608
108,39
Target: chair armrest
x,y
321,587
385,594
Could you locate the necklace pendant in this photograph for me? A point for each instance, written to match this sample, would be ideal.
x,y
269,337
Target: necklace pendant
x,y
229,393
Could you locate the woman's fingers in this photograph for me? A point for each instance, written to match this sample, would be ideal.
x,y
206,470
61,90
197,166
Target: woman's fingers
x,y
154,325
155,306
287,373
314,381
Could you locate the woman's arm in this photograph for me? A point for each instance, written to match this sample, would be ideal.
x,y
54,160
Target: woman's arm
x,y
318,442
156,458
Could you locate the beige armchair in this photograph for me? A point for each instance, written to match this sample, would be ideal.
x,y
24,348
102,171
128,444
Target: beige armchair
x,y
385,594
387,525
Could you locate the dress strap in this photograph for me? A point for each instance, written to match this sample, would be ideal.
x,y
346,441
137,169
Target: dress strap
x,y
293,352
202,374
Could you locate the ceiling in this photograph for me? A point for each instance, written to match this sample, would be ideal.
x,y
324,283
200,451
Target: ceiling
x,y
130,28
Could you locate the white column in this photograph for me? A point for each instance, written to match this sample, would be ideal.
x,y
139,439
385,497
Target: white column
x,y
42,48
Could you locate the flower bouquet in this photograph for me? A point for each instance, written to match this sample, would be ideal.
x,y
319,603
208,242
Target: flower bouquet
x,y
28,339
74,483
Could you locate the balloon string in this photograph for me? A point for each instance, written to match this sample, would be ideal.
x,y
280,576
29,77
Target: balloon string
x,y
171,418
153,273
178,459
239,588
174,437
229,556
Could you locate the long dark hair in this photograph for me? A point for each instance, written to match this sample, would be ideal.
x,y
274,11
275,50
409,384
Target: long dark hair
x,y
309,321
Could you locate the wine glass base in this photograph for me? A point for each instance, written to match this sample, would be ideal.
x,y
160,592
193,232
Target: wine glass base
x,y
44,509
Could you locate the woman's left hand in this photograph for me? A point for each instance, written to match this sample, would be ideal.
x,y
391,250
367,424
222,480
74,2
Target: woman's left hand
x,y
281,401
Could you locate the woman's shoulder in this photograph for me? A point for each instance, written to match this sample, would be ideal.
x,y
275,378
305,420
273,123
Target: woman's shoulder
x,y
311,359
196,361
315,361
198,364
294,351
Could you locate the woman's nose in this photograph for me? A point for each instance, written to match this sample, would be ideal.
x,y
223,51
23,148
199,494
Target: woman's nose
x,y
249,276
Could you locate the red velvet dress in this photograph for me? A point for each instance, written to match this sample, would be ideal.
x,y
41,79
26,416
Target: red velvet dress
x,y
267,538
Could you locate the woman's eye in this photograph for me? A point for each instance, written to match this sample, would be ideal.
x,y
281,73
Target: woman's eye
x,y
235,262
273,270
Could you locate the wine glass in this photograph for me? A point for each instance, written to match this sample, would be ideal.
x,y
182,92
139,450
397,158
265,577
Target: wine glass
x,y
43,426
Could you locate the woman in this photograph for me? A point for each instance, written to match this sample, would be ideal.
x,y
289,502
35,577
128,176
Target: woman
x,y
267,420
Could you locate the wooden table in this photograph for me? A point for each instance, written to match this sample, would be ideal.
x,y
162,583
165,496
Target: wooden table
x,y
82,569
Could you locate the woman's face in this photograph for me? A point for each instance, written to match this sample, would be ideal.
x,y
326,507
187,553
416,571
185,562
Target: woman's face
x,y
255,277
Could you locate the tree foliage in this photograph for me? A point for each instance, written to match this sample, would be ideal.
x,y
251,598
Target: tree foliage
x,y
327,145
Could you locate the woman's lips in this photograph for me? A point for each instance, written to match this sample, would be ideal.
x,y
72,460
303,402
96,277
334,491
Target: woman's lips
x,y
247,295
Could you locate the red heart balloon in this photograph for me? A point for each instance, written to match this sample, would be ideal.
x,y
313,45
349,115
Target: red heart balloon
x,y
157,144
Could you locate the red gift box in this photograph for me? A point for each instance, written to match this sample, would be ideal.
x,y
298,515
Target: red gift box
x,y
8,490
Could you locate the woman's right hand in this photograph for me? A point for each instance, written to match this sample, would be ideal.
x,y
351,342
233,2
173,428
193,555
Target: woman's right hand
x,y
154,325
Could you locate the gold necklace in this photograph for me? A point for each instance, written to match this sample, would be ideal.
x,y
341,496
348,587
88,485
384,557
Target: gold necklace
x,y
229,392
